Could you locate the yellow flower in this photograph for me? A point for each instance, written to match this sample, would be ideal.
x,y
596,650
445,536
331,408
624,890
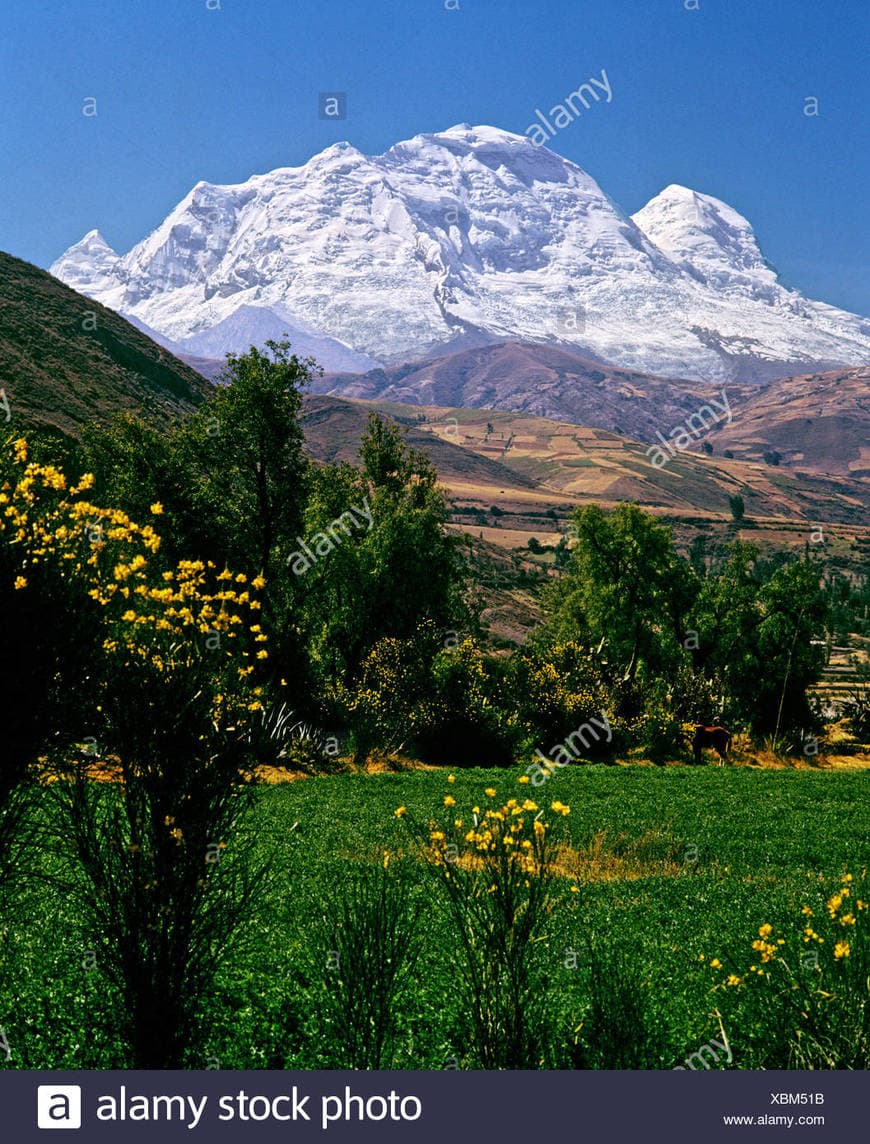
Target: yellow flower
x,y
841,949
575,889
401,811
20,582
449,800
807,912
765,930
451,778
715,963
733,979
258,582
157,509
490,792
523,779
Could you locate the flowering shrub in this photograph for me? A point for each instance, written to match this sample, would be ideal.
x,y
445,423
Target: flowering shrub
x,y
439,702
50,629
804,1000
558,690
176,720
160,620
493,864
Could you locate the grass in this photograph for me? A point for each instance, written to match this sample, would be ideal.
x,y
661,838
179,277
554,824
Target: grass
x,y
670,864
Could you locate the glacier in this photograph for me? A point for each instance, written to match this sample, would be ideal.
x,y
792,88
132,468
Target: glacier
x,y
461,238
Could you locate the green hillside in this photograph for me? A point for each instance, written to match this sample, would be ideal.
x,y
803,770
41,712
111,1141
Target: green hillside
x,y
65,360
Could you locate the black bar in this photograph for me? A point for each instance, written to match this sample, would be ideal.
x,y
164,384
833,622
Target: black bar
x,y
458,1107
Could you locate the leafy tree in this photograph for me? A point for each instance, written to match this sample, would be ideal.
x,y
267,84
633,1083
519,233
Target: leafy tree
x,y
623,592
232,482
395,568
245,447
231,478
794,612
737,506
756,640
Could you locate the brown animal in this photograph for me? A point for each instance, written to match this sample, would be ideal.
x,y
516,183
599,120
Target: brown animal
x,y
716,737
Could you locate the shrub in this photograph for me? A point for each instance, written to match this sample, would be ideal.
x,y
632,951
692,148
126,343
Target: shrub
x,y
804,1002
493,867
365,953
157,854
558,690
619,1029
54,548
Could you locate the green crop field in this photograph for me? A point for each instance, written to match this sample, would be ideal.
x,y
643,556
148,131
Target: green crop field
x,y
656,872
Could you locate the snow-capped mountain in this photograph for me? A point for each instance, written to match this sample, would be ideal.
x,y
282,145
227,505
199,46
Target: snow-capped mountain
x,y
708,239
458,239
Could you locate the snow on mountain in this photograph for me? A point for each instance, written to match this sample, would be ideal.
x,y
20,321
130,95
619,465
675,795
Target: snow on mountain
x,y
708,238
88,266
463,238
254,325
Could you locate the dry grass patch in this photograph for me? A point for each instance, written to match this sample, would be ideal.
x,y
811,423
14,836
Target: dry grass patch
x,y
606,858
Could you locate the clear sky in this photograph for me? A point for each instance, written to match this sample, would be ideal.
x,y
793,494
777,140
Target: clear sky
x,y
708,93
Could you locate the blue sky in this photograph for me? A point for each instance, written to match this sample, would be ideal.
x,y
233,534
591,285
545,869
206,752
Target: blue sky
x,y
713,98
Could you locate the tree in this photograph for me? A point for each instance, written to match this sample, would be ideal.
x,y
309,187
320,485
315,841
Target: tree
x,y
755,639
794,611
737,507
231,478
397,568
244,448
623,591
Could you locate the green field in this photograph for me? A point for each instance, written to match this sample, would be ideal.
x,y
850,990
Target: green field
x,y
670,864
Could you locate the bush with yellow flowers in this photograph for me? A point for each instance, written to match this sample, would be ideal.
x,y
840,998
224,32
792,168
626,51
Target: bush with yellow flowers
x,y
493,862
441,703
55,542
166,868
800,997
557,690
176,721
52,541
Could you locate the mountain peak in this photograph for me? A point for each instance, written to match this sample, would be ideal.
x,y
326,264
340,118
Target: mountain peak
x,y
88,263
95,236
705,235
93,242
483,133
